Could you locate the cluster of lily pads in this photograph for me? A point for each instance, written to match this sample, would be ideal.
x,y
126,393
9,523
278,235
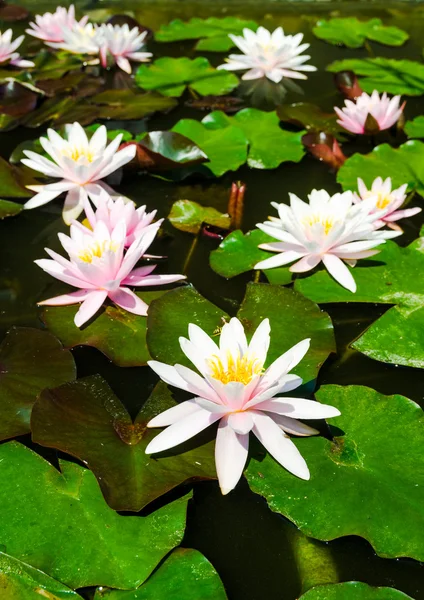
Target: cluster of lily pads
x,y
247,372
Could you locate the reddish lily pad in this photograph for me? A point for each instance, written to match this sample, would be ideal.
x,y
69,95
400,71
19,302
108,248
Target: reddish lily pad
x,y
30,360
86,419
162,150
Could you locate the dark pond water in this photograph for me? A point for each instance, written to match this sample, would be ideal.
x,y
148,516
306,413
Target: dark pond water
x,y
251,547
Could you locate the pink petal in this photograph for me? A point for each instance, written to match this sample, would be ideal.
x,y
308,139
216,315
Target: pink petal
x,y
231,451
127,300
90,306
174,414
65,299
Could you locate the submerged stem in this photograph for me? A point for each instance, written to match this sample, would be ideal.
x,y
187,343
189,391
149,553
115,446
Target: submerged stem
x,y
190,253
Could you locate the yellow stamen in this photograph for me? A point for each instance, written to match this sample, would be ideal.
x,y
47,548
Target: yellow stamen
x,y
326,222
241,369
76,153
96,250
383,201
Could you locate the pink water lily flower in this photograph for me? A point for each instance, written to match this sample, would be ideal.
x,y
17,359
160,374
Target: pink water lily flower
x,y
8,49
122,44
272,55
100,268
79,163
331,229
387,201
50,27
112,210
385,112
79,38
234,388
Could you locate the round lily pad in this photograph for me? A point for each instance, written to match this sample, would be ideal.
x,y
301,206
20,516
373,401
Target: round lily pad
x,y
353,590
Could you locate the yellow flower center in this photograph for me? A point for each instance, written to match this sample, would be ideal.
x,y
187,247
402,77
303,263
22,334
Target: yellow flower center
x,y
76,153
382,201
241,369
326,222
96,250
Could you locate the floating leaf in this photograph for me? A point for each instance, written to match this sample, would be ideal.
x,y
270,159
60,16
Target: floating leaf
x,y
404,165
129,105
353,472
352,33
185,574
171,76
385,74
105,332
189,216
391,277
9,209
86,419
30,360
239,253
111,133
353,590
415,128
16,100
13,181
311,117
292,318
58,522
12,12
167,150
19,581
212,32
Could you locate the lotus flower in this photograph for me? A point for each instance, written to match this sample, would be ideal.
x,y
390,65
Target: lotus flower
x,y
50,27
234,388
384,111
331,229
272,55
386,201
111,211
8,52
80,38
99,267
122,44
79,163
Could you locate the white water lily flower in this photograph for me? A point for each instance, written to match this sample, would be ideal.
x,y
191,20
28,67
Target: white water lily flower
x,y
8,49
50,27
234,388
272,55
331,229
122,44
79,39
79,163
387,201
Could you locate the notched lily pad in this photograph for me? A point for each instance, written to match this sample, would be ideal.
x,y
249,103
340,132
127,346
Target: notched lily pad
x,y
415,128
120,335
30,360
189,216
353,590
353,472
352,33
86,419
13,181
171,76
164,150
311,117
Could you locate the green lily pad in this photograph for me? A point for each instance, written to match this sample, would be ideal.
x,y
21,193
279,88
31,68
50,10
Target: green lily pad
x,y
119,334
171,76
189,216
352,33
239,253
164,150
30,360
19,581
226,148
111,133
385,74
415,128
185,574
404,165
212,33
170,316
13,181
353,590
86,419
311,117
58,522
354,472
391,277
128,105
9,209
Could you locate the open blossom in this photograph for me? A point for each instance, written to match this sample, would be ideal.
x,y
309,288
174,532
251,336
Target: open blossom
x,y
79,163
386,201
112,210
100,268
122,44
8,49
234,388
331,229
80,38
50,27
385,112
272,55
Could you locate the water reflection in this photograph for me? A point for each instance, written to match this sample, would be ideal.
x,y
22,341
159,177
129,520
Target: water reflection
x,y
266,95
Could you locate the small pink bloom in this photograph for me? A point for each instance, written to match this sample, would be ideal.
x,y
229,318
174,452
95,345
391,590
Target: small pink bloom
x,y
122,44
385,111
387,201
99,266
232,387
50,27
8,52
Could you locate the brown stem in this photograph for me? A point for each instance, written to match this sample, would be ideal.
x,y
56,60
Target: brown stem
x,y
236,204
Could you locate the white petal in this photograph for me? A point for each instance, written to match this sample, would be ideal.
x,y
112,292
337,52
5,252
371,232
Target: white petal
x,y
174,414
231,451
